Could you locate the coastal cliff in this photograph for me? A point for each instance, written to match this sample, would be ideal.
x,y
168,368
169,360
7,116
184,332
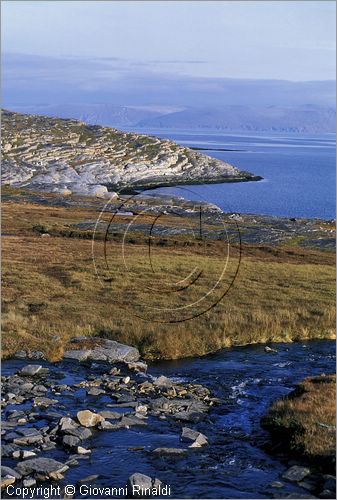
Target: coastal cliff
x,y
69,156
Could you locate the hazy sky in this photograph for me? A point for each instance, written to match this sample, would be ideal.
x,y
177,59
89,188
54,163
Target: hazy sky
x,y
220,39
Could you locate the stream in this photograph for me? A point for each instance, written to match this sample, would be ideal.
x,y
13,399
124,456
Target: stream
x,y
235,464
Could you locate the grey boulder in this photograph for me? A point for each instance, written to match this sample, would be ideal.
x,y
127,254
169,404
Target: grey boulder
x,y
29,482
163,382
196,438
21,355
140,485
111,415
70,441
44,402
270,349
47,466
28,440
106,350
66,424
139,367
30,370
296,473
28,436
95,391
131,420
8,471
81,432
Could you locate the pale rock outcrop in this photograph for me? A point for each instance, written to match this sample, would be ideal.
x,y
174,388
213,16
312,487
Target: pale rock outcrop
x,y
68,156
105,350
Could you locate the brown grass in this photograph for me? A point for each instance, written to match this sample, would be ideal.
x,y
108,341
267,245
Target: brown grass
x,y
51,292
305,421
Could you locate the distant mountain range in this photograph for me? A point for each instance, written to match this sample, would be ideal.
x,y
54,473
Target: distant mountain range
x,y
303,119
311,119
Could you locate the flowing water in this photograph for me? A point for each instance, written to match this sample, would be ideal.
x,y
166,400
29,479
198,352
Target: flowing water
x,y
235,464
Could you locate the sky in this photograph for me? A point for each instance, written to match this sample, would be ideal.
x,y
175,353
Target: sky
x,y
93,46
249,39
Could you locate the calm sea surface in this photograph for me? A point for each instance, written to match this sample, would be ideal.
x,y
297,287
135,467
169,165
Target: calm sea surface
x,y
298,173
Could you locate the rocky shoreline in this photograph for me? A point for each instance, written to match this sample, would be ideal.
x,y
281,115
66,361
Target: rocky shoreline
x,y
254,229
69,157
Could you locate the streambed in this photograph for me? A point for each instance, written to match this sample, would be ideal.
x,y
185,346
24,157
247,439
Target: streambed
x,y
234,464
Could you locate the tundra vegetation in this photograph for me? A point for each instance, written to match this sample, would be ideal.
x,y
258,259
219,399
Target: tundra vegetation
x,y
304,422
283,292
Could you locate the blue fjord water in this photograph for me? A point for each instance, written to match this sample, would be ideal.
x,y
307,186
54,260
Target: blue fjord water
x,y
298,173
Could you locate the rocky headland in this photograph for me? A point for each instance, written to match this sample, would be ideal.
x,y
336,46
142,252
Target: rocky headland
x,y
68,156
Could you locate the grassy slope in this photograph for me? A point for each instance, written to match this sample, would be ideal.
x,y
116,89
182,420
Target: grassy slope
x,y
305,421
51,293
